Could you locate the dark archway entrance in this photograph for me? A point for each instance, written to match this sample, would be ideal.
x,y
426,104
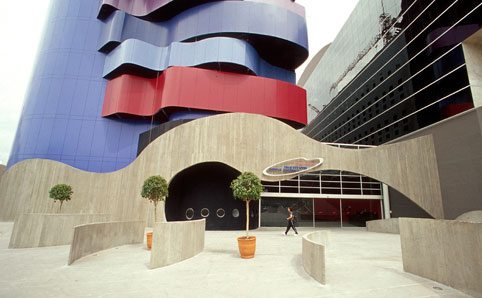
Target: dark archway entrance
x,y
202,191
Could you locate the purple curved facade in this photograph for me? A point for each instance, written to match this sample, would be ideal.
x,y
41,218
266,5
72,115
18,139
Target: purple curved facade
x,y
62,115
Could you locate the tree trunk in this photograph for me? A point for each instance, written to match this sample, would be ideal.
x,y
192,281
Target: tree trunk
x,y
60,208
247,217
155,211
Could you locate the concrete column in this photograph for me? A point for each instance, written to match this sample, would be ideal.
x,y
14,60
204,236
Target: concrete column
x,y
386,201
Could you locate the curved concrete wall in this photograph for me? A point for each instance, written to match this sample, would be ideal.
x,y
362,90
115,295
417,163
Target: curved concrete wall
x,y
313,254
447,251
37,230
246,142
90,238
389,225
471,216
173,242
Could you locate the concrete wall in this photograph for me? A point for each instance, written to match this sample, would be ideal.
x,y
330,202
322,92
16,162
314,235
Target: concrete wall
x,y
389,225
246,142
313,254
448,252
471,216
37,230
90,238
2,170
458,147
473,59
173,242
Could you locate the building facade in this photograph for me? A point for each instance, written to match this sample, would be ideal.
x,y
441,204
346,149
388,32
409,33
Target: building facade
x,y
400,69
108,71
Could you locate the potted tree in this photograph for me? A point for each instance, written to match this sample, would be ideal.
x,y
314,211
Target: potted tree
x,y
61,192
247,187
155,189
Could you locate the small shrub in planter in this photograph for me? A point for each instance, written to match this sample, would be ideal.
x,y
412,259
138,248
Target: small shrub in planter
x,y
155,189
61,192
247,187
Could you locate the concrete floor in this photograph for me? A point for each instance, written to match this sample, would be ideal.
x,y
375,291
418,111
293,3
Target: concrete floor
x,y
359,264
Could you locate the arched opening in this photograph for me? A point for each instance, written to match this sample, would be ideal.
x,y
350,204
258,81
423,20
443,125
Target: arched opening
x,y
202,191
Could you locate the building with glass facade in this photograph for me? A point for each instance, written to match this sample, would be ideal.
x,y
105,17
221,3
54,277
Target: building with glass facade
x,y
400,69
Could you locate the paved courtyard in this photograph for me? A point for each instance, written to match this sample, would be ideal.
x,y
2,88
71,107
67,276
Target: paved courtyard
x,y
359,264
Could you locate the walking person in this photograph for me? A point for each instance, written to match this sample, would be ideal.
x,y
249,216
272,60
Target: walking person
x,y
291,222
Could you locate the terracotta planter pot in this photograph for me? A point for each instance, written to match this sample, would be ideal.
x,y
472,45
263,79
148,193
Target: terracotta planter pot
x,y
247,246
149,240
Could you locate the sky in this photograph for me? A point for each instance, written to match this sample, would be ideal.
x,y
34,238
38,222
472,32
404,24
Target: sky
x,y
20,40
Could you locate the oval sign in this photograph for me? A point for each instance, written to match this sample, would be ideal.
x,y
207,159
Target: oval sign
x,y
292,166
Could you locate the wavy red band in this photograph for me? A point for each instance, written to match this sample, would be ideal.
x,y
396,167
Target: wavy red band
x,y
189,87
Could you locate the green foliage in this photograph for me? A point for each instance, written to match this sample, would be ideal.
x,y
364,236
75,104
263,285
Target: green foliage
x,y
61,192
155,189
247,187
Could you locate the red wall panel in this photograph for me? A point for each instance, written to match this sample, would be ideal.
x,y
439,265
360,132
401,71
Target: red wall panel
x,y
189,87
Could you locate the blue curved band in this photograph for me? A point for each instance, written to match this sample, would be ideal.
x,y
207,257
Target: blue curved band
x,y
134,53
278,35
153,10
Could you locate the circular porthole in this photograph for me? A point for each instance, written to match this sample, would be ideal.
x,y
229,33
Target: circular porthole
x,y
220,213
235,213
205,212
189,213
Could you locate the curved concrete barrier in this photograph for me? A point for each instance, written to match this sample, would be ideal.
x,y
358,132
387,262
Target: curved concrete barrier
x,y
447,251
471,216
94,237
389,225
39,229
314,254
176,241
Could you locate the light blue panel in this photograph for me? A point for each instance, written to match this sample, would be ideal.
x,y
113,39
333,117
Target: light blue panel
x,y
61,61
108,166
68,33
93,32
85,138
73,8
86,9
95,165
79,97
73,64
30,106
73,136
113,134
80,164
86,65
57,138
44,136
50,64
93,100
98,67
53,97
66,95
99,138
80,34
29,131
